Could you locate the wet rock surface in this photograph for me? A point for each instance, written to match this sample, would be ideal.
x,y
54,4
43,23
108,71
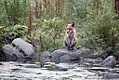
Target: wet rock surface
x,y
65,56
45,57
110,61
19,50
88,70
60,64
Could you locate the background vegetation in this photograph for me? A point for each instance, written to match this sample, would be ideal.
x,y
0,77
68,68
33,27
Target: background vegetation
x,y
43,22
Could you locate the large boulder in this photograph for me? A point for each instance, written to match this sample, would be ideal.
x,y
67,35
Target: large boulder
x,y
110,62
11,53
19,50
25,48
65,56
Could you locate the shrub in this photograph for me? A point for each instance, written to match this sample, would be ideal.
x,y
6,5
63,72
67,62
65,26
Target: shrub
x,y
103,29
10,33
50,35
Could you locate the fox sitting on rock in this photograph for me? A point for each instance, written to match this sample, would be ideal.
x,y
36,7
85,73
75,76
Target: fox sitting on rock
x,y
70,36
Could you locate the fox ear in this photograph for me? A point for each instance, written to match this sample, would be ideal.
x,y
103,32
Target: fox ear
x,y
66,25
73,24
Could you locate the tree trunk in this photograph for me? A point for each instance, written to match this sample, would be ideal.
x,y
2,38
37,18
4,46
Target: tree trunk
x,y
30,20
58,8
117,7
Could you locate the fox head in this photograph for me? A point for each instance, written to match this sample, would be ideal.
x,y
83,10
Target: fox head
x,y
70,29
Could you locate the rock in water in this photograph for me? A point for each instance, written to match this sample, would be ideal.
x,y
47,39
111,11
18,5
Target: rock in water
x,y
20,51
11,53
65,56
85,52
110,61
58,67
44,58
23,45
2,55
25,48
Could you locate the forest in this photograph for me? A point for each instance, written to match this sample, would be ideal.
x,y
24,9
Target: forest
x,y
59,39
43,22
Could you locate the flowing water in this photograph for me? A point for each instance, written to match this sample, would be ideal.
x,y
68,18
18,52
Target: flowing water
x,y
86,71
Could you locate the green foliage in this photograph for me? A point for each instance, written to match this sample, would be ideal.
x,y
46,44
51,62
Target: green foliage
x,y
98,26
13,11
94,20
9,33
51,34
102,29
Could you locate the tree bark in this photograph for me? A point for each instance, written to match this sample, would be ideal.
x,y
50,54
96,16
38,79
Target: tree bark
x,y
30,20
58,8
117,7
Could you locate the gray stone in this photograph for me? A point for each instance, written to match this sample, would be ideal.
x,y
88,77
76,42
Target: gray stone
x,y
45,57
85,52
110,61
26,49
111,76
59,67
23,45
2,55
65,56
20,51
11,54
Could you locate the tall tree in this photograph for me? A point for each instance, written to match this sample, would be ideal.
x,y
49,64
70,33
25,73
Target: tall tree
x,y
30,19
117,7
58,7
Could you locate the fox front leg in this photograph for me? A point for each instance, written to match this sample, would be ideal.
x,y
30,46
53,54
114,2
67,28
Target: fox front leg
x,y
72,45
67,45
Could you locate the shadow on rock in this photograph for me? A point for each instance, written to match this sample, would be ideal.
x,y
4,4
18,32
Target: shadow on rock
x,y
110,62
19,50
64,56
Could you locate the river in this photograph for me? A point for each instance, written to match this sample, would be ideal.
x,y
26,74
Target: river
x,y
87,71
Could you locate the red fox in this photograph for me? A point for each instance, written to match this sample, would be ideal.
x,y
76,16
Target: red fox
x,y
70,37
